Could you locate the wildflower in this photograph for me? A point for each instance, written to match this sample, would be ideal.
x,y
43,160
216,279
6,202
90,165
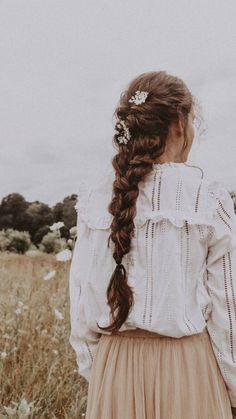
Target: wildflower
x,y
139,97
58,314
124,131
25,407
64,255
49,275
18,311
22,409
22,305
3,354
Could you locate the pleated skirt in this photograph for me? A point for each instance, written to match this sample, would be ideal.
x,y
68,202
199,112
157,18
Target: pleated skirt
x,y
137,374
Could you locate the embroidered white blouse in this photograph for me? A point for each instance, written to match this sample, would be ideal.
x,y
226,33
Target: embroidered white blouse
x,y
182,263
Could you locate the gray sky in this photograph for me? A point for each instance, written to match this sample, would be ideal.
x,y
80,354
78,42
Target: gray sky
x,y
65,63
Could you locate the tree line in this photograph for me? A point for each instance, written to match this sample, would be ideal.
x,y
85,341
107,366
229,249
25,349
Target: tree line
x,y
37,217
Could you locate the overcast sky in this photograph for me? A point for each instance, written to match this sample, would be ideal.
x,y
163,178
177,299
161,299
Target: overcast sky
x,y
65,63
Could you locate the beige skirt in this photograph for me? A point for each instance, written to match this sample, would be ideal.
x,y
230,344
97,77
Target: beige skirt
x,y
138,374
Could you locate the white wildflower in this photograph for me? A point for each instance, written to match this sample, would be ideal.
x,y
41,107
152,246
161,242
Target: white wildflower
x,y
64,255
139,97
23,307
25,407
22,409
11,411
18,311
49,275
55,352
126,132
3,354
58,314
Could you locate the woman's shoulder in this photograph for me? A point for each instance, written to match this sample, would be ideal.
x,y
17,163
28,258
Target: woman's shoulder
x,y
181,193
93,198
194,176
218,193
87,187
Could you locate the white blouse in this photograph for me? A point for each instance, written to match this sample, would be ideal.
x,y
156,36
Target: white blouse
x,y
181,266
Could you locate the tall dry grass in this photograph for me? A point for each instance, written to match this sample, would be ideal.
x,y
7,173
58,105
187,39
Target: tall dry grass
x,y
38,371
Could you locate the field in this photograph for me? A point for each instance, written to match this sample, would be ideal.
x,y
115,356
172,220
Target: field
x,y
38,371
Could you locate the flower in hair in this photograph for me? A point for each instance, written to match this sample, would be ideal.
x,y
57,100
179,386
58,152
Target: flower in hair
x,y
124,131
139,97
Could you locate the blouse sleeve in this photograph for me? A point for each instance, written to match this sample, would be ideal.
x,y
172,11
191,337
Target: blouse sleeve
x,y
221,283
83,340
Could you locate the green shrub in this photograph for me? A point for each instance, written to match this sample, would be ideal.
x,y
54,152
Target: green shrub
x,y
4,241
52,243
16,241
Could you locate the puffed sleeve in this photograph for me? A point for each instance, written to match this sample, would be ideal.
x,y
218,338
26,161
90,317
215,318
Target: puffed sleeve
x,y
83,340
221,284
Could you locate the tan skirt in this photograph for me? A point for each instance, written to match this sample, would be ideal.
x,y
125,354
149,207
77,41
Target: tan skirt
x,y
138,374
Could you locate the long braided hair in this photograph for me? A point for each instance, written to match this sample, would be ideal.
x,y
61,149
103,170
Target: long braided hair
x,y
148,124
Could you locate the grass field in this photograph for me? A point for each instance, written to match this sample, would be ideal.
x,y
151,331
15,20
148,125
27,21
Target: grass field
x,y
38,371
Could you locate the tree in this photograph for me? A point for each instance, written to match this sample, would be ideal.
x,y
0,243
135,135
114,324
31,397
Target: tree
x,y
13,212
40,216
58,211
66,212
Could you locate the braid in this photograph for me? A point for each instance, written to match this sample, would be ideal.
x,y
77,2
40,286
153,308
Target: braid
x,y
123,207
141,134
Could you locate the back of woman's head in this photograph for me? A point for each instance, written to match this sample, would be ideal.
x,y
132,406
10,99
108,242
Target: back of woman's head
x,y
147,108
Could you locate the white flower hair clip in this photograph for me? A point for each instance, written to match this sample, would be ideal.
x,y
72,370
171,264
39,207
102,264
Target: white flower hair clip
x,y
139,97
124,130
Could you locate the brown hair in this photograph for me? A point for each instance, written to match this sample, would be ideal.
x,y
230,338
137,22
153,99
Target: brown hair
x,y
148,123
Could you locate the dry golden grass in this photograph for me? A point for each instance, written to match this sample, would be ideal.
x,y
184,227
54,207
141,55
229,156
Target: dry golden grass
x,y
37,362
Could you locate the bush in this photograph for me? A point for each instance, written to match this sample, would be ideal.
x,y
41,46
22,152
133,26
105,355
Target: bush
x,y
4,241
15,241
52,243
40,233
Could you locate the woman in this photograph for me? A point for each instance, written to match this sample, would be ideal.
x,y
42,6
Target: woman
x,y
153,274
